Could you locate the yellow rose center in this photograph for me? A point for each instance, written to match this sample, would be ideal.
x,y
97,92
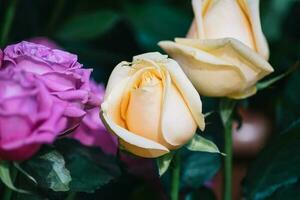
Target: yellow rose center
x,y
143,112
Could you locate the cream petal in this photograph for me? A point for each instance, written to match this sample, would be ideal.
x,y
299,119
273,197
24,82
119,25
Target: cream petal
x,y
152,56
197,24
251,8
187,90
144,109
134,141
253,66
142,152
121,71
225,18
244,94
177,123
210,75
256,60
112,102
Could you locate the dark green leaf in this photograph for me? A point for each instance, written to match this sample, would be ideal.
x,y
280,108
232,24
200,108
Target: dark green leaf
x,y
287,106
198,167
276,167
199,143
265,84
49,170
90,168
288,192
155,22
88,26
6,178
18,167
164,162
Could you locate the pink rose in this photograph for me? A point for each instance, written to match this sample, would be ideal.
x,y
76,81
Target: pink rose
x,y
60,72
29,115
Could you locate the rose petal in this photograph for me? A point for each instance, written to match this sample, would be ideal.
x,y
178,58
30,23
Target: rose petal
x,y
120,72
134,143
188,92
251,8
177,127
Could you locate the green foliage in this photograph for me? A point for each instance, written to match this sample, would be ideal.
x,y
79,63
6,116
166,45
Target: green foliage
x,y
154,22
198,167
276,167
90,168
226,110
199,143
68,166
88,26
49,170
7,177
164,162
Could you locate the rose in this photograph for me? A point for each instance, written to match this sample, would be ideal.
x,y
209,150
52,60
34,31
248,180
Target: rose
x,y
151,105
29,115
60,72
91,131
225,59
229,19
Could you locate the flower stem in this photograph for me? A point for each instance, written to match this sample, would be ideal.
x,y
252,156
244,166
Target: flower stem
x,y
9,16
71,196
175,176
226,112
228,161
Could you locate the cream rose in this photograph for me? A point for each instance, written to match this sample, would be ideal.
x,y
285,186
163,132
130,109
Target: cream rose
x,y
151,105
225,53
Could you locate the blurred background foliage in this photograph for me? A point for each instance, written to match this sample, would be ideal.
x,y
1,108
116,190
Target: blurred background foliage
x,y
103,33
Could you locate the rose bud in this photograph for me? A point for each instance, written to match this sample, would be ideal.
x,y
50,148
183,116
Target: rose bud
x,y
91,131
63,76
226,54
151,105
29,115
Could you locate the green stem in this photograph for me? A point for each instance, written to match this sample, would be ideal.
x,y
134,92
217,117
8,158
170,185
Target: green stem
x,y
9,16
175,176
71,196
9,192
228,161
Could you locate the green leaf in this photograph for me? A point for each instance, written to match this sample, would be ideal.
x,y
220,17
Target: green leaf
x,y
164,162
288,192
199,143
226,110
7,179
49,170
198,167
18,167
265,84
276,167
154,22
90,168
88,26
